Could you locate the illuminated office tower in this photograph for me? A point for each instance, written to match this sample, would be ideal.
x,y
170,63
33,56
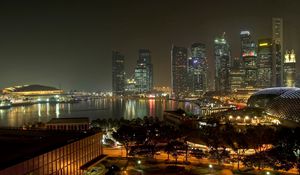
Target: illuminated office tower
x,y
236,74
277,34
249,58
289,69
179,73
264,63
222,64
143,74
118,73
197,68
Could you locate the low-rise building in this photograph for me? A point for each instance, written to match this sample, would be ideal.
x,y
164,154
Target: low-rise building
x,y
79,123
48,152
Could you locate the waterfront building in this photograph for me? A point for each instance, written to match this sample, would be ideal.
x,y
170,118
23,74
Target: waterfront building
x,y
180,118
236,74
264,63
282,103
48,152
118,73
277,36
249,57
32,90
222,64
179,73
289,69
143,74
197,69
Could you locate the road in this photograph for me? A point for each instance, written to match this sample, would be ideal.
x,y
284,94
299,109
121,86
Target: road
x,y
121,152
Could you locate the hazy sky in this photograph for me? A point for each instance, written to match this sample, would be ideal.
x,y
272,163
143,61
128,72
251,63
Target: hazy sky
x,y
69,43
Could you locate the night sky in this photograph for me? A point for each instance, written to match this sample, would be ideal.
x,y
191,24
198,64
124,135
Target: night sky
x,y
68,44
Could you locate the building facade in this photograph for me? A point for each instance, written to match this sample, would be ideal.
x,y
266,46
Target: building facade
x,y
179,71
236,74
143,73
289,69
249,58
197,69
222,61
264,63
69,158
277,36
118,73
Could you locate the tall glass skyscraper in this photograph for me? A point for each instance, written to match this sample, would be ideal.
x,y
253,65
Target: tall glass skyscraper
x,y
118,73
236,74
289,69
249,56
222,61
179,71
143,74
197,68
277,34
264,63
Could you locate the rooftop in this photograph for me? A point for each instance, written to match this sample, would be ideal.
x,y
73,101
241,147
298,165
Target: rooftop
x,y
19,145
26,88
69,120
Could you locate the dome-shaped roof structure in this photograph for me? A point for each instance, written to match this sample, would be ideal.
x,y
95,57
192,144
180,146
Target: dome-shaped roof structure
x,y
282,103
32,90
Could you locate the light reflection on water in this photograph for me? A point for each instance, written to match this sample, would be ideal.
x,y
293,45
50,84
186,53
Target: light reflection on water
x,y
100,108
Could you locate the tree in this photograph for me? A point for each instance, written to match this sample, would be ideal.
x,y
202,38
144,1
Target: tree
x,y
129,135
285,154
238,144
173,148
198,153
260,138
212,135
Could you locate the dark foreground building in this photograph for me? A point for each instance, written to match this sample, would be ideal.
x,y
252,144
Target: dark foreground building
x,y
42,152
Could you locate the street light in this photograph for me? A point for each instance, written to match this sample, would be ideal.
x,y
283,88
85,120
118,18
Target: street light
x,y
210,166
139,162
246,118
268,173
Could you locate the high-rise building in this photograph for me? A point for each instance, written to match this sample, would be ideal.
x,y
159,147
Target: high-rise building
x,y
297,79
222,61
197,69
264,63
118,73
130,86
249,56
277,35
143,74
289,69
179,71
236,74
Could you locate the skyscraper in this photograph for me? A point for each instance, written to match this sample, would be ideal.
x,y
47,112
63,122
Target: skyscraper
x,y
222,61
277,35
236,74
289,69
249,56
143,74
264,63
197,68
118,73
179,73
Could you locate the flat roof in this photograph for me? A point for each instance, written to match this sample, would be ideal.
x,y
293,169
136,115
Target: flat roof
x,y
18,145
69,120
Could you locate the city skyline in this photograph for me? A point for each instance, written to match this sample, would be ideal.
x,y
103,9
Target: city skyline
x,y
76,39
